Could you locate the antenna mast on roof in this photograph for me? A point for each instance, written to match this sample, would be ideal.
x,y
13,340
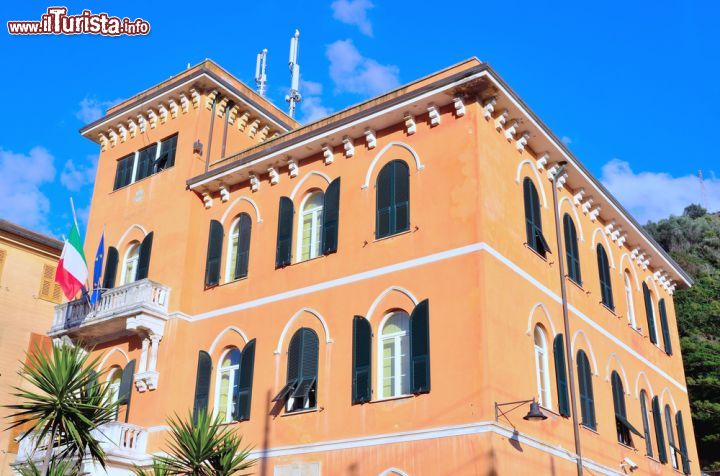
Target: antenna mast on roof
x,y
293,96
260,76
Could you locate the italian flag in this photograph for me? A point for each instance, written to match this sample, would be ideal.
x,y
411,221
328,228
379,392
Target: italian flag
x,y
72,269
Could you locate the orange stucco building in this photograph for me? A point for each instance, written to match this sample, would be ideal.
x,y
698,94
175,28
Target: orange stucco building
x,y
356,295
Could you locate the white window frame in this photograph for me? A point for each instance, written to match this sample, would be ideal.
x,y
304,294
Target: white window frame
x,y
398,357
231,383
131,247
542,368
114,387
229,265
315,226
629,300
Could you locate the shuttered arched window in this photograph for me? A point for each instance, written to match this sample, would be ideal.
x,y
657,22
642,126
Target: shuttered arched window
x,y
622,424
111,264
665,327
203,376
300,391
682,442
629,301
214,254
310,221
674,452
646,422
394,355
541,368
234,383
238,255
650,313
130,263
572,250
392,190
587,401
113,383
604,275
659,434
284,233
362,360
533,220
561,375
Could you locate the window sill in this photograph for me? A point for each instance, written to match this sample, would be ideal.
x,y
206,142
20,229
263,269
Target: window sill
x,y
389,399
653,459
608,309
591,430
302,412
400,233
575,283
636,329
227,283
534,251
141,180
627,446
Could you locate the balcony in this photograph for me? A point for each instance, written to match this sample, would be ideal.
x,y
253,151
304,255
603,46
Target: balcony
x,y
139,307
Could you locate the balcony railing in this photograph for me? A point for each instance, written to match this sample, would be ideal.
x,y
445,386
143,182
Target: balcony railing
x,y
140,296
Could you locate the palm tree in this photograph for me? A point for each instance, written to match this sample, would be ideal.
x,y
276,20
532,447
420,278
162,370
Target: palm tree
x,y
66,404
201,446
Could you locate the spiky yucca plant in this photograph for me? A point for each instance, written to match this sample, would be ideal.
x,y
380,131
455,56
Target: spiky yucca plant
x,y
58,467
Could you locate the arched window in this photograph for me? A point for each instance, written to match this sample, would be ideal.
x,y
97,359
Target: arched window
x,y
228,378
113,383
238,253
629,301
646,422
541,368
659,435
572,251
604,274
310,226
671,437
130,263
587,401
561,375
300,391
394,356
533,220
665,327
622,424
392,190
683,442
650,313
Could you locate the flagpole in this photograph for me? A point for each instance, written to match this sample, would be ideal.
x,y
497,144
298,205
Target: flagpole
x,y
72,206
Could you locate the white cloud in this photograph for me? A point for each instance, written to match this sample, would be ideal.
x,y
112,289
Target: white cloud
x,y
311,106
21,176
91,109
656,195
354,12
567,140
75,176
353,73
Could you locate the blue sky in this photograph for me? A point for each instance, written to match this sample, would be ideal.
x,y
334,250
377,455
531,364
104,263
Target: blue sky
x,y
630,86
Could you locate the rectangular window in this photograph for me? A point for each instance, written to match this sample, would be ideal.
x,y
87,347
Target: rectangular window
x,y
150,160
124,172
49,289
146,161
166,157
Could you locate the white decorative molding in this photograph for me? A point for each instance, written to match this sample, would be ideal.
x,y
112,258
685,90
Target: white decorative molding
x,y
433,115
552,171
184,103
410,126
501,119
224,193
254,183
370,138
621,241
242,121
207,200
232,114
122,132
327,154
656,275
195,95
173,108
522,141
459,106
587,204
152,118
489,108
263,133
163,113
103,141
275,134
616,234
210,99
542,161
577,198
132,127
609,227
594,213
293,169
274,176
560,182
511,130
634,253
348,146
220,109
254,126
113,137
415,156
640,258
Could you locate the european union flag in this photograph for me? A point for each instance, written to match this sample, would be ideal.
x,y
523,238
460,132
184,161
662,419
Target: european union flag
x,y
97,272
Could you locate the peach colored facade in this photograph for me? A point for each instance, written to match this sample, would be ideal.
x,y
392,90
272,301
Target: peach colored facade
x,y
468,142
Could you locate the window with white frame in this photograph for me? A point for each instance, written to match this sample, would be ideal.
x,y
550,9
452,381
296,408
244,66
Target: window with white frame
x,y
130,263
541,368
145,162
238,248
113,382
629,300
228,379
310,226
394,356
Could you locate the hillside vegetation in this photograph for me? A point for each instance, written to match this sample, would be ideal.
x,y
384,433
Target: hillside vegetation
x,y
693,240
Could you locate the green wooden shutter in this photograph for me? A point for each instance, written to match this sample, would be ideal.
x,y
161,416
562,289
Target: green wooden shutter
x,y
587,402
561,375
144,257
401,198
572,252
214,254
126,384
243,250
604,274
682,442
533,219
646,423
308,363
383,196
202,384
652,333
362,356
245,381
664,325
420,348
659,436
284,236
111,264
330,217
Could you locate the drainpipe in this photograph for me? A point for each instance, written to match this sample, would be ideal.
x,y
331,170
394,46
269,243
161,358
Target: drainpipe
x,y
566,320
212,122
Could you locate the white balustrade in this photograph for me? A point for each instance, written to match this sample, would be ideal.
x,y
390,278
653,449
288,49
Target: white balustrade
x,y
122,438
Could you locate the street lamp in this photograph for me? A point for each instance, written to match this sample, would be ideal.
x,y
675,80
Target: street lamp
x,y
534,414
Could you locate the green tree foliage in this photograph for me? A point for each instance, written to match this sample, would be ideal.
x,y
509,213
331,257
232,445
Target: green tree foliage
x,y
693,240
